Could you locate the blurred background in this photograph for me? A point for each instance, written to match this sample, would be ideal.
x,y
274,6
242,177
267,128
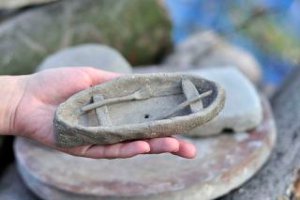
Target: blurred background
x,y
146,32
260,37
268,29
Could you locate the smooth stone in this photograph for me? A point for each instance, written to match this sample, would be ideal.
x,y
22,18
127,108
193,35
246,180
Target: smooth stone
x,y
223,163
96,55
242,110
207,49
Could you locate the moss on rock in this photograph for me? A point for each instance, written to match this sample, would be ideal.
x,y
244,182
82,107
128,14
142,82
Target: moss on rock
x,y
138,29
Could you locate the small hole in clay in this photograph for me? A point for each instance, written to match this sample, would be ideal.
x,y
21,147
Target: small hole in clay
x,y
146,116
228,130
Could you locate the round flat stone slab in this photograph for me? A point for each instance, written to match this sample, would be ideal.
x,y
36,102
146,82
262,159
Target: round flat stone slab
x,y
223,163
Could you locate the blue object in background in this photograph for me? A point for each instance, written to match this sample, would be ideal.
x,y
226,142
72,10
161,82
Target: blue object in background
x,y
190,16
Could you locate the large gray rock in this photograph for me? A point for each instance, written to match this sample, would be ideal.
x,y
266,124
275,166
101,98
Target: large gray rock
x,y
242,110
138,29
94,55
205,50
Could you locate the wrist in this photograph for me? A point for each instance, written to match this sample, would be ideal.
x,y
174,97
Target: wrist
x,y
12,89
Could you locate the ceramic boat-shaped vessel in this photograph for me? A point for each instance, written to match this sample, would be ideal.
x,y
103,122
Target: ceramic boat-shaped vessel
x,y
137,107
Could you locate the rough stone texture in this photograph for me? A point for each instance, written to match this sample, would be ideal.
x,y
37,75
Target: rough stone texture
x,y
20,3
279,179
223,163
13,188
242,110
138,29
98,56
207,49
155,96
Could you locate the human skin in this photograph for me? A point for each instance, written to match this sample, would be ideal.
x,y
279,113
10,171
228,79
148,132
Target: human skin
x,y
28,104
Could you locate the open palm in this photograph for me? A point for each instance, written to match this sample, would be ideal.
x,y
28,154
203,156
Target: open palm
x,y
44,91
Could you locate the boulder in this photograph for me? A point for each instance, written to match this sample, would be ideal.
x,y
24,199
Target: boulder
x,y
138,29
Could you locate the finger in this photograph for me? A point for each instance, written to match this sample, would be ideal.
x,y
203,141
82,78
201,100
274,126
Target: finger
x,y
120,150
163,145
99,76
186,150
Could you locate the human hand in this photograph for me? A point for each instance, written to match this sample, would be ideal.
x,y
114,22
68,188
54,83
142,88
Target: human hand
x,y
44,91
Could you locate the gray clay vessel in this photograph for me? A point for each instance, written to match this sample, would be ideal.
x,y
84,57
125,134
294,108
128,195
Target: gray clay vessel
x,y
137,107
